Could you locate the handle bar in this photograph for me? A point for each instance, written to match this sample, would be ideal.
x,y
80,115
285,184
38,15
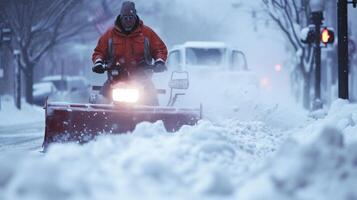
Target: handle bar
x,y
142,66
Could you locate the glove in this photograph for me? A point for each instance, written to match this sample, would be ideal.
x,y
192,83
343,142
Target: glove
x,y
98,67
160,66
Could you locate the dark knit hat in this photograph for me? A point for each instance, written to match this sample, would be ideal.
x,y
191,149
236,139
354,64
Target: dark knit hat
x,y
128,6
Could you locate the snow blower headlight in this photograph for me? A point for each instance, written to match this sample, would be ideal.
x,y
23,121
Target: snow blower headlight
x,y
125,95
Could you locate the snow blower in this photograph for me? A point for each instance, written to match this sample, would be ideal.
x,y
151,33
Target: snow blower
x,y
117,114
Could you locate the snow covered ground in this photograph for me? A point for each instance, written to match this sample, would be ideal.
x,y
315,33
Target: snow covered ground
x,y
9,115
20,130
270,151
318,162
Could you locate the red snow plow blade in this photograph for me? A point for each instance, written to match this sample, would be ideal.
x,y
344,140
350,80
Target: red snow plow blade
x,y
82,122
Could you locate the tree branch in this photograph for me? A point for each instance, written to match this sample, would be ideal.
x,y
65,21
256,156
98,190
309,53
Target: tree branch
x,y
285,31
291,24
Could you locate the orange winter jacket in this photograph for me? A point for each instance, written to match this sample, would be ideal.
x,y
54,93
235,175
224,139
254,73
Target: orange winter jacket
x,y
128,49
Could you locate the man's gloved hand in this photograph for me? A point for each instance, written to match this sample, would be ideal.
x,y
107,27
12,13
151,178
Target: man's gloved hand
x,y
160,66
98,67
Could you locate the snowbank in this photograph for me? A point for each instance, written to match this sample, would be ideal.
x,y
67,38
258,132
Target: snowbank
x,y
318,163
209,161
10,115
200,162
341,115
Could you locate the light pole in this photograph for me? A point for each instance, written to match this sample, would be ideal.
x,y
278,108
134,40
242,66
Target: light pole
x,y
342,19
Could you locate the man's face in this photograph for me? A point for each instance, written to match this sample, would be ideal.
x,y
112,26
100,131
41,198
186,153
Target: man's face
x,y
128,19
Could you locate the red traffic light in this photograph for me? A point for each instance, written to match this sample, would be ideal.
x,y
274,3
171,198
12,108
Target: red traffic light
x,y
327,36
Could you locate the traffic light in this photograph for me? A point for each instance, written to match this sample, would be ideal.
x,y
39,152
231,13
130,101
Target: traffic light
x,y
5,35
308,35
327,36
354,3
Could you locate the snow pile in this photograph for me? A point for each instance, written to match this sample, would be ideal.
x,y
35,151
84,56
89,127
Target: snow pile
x,y
341,114
195,163
10,115
211,160
320,163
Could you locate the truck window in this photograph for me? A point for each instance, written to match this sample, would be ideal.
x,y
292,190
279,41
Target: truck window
x,y
238,61
174,59
204,56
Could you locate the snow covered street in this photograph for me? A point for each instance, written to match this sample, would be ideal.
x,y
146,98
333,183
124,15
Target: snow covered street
x,y
20,131
228,159
211,160
24,137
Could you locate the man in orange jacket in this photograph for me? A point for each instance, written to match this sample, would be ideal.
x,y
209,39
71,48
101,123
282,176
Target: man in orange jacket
x,y
129,44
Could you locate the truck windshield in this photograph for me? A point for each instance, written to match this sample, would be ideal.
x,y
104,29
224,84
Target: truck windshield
x,y
204,56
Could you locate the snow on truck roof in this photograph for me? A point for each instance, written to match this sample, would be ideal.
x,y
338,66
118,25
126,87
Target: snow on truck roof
x,y
203,44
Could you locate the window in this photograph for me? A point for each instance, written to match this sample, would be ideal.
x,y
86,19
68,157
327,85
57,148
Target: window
x,y
204,56
238,61
174,59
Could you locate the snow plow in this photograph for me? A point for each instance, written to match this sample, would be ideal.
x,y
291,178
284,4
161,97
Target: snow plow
x,y
118,114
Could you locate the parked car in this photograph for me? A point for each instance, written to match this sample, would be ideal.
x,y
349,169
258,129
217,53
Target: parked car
x,y
206,55
41,91
57,88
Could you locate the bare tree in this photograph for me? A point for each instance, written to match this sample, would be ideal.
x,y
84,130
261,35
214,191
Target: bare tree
x,y
38,26
104,14
291,16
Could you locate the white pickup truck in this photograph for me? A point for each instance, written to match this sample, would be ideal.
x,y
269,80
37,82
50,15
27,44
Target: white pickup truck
x,y
206,55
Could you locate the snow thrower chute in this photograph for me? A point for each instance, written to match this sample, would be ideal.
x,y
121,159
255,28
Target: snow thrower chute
x,y
67,122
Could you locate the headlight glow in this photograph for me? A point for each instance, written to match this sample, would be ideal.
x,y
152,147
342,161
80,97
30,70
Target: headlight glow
x,y
125,95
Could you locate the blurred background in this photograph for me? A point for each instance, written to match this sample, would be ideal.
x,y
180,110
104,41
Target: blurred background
x,y
57,38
